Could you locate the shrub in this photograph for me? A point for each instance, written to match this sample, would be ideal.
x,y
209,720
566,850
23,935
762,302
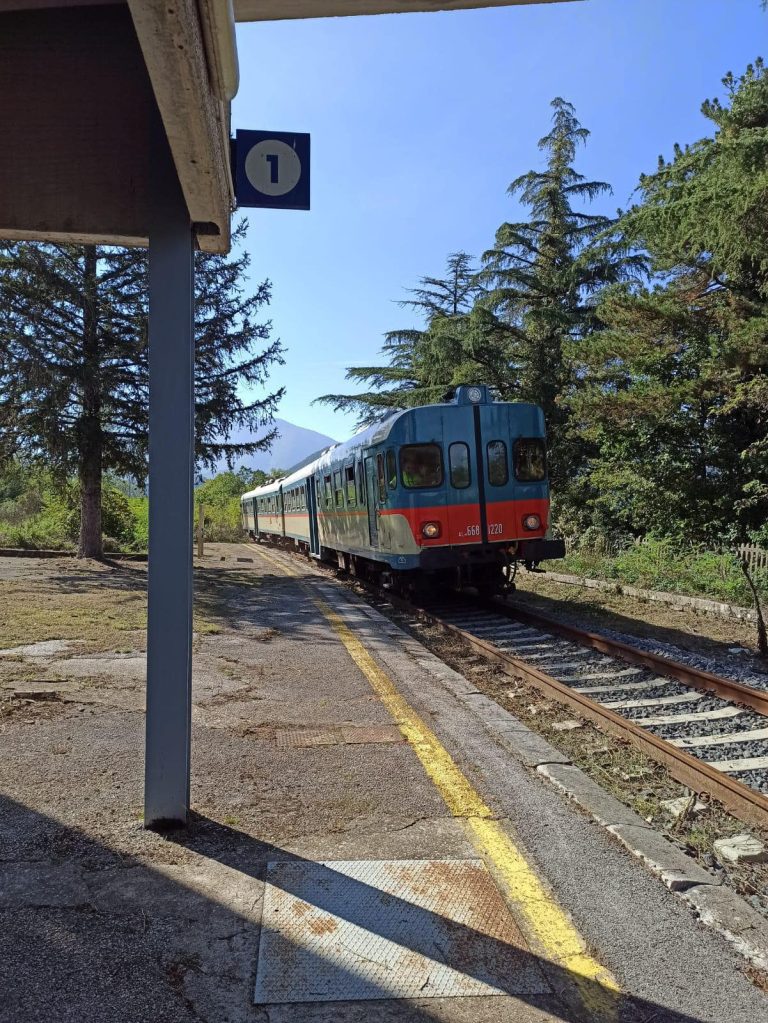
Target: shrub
x,y
662,564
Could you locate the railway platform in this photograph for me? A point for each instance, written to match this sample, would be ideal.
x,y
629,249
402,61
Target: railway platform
x,y
363,846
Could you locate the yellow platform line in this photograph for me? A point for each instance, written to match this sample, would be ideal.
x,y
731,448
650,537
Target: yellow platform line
x,y
546,922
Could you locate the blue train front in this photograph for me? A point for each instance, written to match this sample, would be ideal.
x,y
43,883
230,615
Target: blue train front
x,y
454,493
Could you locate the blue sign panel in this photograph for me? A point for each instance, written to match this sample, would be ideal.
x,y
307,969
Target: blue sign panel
x,y
272,169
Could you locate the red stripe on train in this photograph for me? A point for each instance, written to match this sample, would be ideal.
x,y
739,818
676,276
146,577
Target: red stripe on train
x,y
460,523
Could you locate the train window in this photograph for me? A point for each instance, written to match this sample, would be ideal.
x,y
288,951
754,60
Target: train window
x,y
349,479
328,492
498,472
302,499
421,465
338,489
381,479
391,470
530,459
458,460
360,484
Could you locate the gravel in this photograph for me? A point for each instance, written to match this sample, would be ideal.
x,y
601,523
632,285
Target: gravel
x,y
747,721
736,667
628,693
754,779
694,706
733,750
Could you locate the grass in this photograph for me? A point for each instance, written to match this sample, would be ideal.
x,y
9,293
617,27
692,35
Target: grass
x,y
97,607
659,564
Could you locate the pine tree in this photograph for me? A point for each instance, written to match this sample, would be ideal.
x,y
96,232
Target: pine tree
x,y
73,363
543,274
678,399
417,371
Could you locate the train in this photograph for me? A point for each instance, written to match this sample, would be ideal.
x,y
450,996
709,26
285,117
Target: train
x,y
452,494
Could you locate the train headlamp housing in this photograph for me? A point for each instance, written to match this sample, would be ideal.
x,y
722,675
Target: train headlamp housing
x,y
532,522
431,530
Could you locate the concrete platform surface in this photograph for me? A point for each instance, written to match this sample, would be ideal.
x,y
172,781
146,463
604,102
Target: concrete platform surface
x,y
321,735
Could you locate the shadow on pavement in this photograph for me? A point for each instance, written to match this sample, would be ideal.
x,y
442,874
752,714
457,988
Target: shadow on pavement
x,y
91,934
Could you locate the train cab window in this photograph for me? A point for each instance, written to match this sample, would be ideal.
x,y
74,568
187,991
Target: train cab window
x,y
391,470
458,462
328,492
498,471
349,479
381,478
530,458
421,465
338,489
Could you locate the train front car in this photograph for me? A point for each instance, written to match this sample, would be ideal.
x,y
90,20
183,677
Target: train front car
x,y
461,492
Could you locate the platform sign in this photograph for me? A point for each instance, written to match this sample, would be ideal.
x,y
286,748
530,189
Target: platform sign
x,y
272,169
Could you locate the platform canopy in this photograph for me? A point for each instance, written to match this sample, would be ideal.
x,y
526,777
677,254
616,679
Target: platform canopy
x,y
275,10
84,87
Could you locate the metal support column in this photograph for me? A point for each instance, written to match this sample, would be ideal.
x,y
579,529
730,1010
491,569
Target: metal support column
x,y
171,464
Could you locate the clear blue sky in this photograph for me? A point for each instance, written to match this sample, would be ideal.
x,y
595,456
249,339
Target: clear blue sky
x,y
420,121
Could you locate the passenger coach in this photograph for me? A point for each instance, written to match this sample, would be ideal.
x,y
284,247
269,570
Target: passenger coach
x,y
456,492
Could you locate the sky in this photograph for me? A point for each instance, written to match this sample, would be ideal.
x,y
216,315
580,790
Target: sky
x,y
420,121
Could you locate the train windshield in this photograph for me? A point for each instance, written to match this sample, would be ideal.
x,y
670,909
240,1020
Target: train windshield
x,y
421,465
530,459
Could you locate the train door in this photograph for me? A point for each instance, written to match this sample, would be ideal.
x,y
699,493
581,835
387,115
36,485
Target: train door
x,y
281,510
503,494
255,503
314,532
372,489
463,481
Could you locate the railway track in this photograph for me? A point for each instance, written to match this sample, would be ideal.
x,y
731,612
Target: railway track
x,y
710,732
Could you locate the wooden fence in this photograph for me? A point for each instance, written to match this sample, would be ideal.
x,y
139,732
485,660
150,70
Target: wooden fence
x,y
755,557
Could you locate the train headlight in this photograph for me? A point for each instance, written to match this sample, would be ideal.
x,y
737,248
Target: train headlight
x,y
431,530
531,522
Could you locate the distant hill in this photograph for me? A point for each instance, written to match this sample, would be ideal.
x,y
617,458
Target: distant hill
x,y
293,445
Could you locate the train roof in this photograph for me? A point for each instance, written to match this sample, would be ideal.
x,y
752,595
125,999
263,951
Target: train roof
x,y
378,433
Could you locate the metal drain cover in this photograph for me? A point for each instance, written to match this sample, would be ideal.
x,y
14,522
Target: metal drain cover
x,y
342,931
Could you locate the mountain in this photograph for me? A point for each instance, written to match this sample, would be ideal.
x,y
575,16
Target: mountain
x,y
293,445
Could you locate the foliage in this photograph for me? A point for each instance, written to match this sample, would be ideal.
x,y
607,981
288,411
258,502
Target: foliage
x,y
416,371
674,396
74,362
545,274
659,563
220,498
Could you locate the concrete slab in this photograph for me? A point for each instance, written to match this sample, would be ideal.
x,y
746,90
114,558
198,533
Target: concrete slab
x,y
578,786
743,927
675,869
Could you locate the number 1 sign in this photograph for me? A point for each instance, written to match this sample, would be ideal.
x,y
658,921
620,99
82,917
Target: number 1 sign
x,y
271,168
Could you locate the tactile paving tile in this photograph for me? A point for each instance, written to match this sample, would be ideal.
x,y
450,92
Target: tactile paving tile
x,y
342,931
371,733
299,737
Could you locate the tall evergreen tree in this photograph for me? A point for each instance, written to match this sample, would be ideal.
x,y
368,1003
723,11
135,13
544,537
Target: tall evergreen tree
x,y
416,371
678,399
73,363
544,273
